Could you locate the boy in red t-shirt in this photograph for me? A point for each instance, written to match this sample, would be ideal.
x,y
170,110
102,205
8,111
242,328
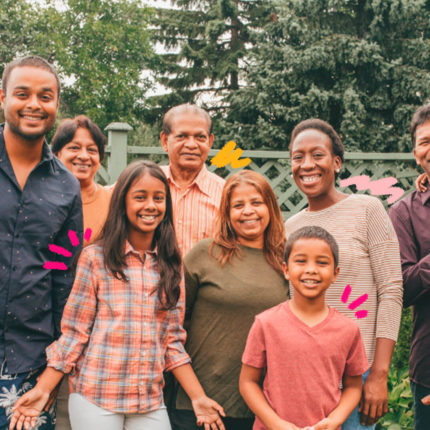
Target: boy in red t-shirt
x,y
306,347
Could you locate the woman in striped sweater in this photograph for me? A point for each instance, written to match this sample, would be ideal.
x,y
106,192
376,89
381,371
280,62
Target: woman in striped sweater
x,y
370,272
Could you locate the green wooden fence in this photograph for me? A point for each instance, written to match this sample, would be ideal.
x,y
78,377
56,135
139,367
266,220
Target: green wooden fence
x,y
274,165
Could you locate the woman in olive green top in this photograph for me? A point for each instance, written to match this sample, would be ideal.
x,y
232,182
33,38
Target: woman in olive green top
x,y
230,279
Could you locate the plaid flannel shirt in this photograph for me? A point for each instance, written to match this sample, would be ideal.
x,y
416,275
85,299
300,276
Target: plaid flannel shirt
x,y
116,341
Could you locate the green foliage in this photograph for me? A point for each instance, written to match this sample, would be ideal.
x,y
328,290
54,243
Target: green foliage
x,y
15,34
400,399
400,402
400,359
99,47
206,43
362,65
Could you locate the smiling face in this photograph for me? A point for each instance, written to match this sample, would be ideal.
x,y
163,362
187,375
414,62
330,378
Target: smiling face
x,y
81,156
422,147
311,268
30,102
313,163
145,207
249,215
188,143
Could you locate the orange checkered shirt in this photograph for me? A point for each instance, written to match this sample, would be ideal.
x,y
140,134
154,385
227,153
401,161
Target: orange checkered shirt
x,y
196,209
115,340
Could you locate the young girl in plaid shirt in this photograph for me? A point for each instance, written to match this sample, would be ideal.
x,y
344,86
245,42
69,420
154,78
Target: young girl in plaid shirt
x,y
121,327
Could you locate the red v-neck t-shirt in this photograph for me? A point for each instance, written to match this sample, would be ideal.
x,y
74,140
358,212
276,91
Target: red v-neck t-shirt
x,y
304,364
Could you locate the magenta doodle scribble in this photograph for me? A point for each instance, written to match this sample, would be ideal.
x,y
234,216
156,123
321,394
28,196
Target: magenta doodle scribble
x,y
59,250
58,265
378,187
54,265
74,240
87,234
356,303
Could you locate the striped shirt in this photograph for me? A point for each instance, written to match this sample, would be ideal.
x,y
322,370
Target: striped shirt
x,y
369,262
195,210
115,340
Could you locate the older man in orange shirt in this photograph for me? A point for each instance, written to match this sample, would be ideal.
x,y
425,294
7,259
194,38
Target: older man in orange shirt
x,y
196,193
187,138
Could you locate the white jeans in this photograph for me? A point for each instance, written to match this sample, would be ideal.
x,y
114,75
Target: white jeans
x,y
85,415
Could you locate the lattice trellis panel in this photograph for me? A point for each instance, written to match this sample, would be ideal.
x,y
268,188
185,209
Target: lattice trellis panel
x,y
275,166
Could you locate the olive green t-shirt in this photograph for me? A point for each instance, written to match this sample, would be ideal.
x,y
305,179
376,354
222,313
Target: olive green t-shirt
x,y
221,304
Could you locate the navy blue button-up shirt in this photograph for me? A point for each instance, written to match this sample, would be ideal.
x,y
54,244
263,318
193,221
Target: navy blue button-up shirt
x,y
31,297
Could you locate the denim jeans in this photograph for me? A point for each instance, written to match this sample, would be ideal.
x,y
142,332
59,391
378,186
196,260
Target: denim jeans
x,y
421,412
353,421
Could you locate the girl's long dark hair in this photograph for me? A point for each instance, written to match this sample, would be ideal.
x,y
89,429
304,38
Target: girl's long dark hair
x,y
115,231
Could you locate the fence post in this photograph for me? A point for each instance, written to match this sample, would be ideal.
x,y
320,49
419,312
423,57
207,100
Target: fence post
x,y
117,145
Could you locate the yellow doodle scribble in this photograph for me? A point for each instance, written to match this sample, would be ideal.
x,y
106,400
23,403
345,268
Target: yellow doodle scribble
x,y
229,155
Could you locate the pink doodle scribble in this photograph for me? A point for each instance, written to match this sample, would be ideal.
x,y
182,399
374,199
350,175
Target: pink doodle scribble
x,y
58,265
74,240
87,234
378,187
59,250
54,265
356,303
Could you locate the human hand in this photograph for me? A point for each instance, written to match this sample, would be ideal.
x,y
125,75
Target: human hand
x,y
420,182
208,413
27,408
325,424
374,400
426,400
286,425
52,396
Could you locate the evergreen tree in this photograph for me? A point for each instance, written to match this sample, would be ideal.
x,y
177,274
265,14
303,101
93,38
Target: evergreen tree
x,y
362,65
206,44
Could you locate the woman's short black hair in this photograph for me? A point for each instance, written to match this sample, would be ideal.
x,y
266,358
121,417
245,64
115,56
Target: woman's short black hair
x,y
323,127
67,129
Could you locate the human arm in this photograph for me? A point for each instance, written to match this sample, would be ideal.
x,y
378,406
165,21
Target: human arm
x,y
192,282
29,406
207,410
249,387
374,401
177,361
62,280
415,270
79,314
385,265
77,323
